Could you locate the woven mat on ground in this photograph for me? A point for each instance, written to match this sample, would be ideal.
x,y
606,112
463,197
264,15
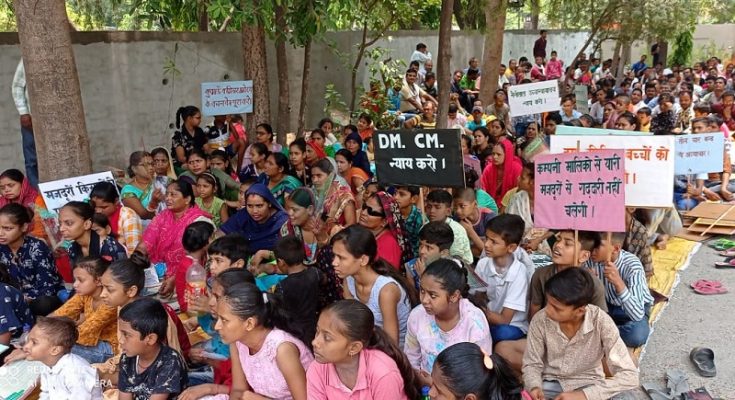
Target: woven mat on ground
x,y
666,266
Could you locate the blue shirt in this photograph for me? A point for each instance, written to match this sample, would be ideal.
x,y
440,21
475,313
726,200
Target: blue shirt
x,y
636,298
638,67
14,312
472,125
33,267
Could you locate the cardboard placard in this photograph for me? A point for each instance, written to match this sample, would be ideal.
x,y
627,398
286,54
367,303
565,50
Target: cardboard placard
x,y
57,193
649,164
582,191
534,98
229,97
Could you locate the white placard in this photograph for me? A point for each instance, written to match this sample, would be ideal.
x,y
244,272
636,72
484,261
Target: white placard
x,y
534,98
229,97
58,193
649,164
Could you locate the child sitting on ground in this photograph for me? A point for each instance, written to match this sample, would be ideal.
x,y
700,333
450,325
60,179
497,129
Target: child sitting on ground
x,y
507,281
214,352
466,371
195,242
568,341
629,300
209,198
439,209
300,289
472,218
96,321
445,317
435,239
407,197
563,255
101,225
148,368
69,376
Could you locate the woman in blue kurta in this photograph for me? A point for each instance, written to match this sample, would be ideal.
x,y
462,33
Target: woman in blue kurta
x,y
29,260
260,221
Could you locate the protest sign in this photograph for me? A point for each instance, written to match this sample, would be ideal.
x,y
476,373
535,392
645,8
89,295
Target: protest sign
x,y
533,98
649,164
582,191
229,97
58,193
580,93
699,153
431,157
578,130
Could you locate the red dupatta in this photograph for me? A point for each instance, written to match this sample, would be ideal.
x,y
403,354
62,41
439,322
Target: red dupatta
x,y
27,196
512,168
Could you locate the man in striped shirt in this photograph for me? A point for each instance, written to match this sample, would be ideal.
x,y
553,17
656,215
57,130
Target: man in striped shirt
x,y
627,295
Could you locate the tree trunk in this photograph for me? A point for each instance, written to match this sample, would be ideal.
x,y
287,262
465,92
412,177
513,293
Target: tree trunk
x,y
283,124
60,130
458,11
535,12
616,58
355,67
304,87
624,57
444,73
203,17
493,50
255,68
663,51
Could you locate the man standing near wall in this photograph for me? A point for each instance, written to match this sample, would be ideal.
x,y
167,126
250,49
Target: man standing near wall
x,y
539,47
20,96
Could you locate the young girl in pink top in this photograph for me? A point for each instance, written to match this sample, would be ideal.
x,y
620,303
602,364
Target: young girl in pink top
x,y
446,317
267,361
464,371
356,360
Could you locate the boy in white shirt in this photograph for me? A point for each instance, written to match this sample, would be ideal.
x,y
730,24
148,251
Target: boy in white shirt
x,y
68,376
506,277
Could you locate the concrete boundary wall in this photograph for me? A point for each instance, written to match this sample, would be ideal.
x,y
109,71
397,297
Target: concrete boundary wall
x,y
130,101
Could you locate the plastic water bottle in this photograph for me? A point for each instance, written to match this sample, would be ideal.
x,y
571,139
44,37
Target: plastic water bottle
x,y
196,282
425,393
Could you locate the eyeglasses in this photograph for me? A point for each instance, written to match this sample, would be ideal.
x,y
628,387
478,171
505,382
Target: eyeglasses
x,y
372,212
148,164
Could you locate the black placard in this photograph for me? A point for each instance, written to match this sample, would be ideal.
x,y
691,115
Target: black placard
x,y
422,157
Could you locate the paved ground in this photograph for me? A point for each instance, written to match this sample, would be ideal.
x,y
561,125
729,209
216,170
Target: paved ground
x,y
692,320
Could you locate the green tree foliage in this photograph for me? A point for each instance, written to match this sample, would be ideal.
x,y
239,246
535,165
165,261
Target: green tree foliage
x,y
682,48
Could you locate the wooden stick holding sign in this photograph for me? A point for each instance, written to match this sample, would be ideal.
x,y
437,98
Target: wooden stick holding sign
x,y
609,243
718,220
576,246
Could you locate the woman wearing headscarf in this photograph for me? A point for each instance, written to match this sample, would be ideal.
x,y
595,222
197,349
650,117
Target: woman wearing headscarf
x,y
314,152
335,204
15,188
501,174
382,216
353,143
260,221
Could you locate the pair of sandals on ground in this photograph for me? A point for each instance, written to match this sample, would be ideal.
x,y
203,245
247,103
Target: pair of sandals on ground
x,y
677,385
